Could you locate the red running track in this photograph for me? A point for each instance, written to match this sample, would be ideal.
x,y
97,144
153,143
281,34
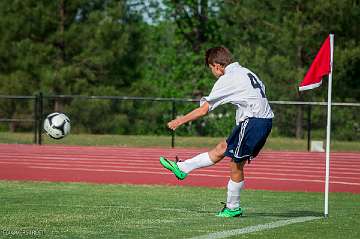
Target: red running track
x,y
282,171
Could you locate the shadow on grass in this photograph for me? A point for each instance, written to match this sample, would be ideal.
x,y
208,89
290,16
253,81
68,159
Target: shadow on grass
x,y
288,214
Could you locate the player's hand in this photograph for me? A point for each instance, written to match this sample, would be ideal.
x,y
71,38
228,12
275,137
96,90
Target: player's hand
x,y
174,124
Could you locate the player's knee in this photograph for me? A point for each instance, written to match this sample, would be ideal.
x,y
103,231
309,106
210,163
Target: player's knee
x,y
237,176
237,171
218,153
220,148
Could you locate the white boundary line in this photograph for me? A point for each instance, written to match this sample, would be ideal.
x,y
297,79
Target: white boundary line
x,y
257,228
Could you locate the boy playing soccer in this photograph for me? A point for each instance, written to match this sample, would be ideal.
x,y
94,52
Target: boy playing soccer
x,y
242,88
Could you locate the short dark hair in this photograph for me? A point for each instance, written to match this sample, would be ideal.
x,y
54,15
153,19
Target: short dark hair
x,y
220,55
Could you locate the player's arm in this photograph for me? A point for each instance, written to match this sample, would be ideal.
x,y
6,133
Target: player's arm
x,y
193,115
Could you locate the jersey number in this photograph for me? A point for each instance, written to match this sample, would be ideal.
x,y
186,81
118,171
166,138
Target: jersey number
x,y
256,84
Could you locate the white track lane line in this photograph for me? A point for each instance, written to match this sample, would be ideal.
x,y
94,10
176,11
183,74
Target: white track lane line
x,y
257,228
222,165
134,158
200,175
218,168
145,151
278,157
98,166
106,150
258,162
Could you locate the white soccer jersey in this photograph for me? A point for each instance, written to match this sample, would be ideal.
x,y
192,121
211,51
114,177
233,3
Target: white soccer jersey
x,y
242,88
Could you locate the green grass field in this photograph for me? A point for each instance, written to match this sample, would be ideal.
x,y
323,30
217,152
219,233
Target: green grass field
x,y
74,210
273,143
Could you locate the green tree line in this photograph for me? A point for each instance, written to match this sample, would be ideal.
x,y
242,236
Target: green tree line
x,y
156,48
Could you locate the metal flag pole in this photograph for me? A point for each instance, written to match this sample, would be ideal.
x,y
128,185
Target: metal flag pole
x,y
328,129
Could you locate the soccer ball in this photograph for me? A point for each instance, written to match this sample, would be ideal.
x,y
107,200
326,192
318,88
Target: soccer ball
x,y
57,125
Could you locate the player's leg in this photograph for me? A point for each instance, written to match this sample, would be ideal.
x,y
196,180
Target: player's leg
x,y
235,184
205,159
182,169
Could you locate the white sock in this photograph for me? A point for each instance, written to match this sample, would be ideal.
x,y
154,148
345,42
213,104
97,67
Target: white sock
x,y
233,194
199,161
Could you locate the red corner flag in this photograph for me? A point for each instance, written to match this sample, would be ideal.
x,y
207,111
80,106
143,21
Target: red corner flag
x,y
319,68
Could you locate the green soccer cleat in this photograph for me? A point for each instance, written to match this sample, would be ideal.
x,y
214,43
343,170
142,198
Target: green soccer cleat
x,y
173,167
226,212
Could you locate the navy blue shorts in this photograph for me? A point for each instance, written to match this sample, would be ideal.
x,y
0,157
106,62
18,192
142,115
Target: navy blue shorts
x,y
248,138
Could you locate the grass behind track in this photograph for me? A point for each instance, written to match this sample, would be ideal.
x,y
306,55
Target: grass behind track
x,y
74,210
273,143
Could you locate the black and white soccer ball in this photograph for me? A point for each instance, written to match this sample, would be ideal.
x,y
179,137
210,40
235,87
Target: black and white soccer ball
x,y
57,125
